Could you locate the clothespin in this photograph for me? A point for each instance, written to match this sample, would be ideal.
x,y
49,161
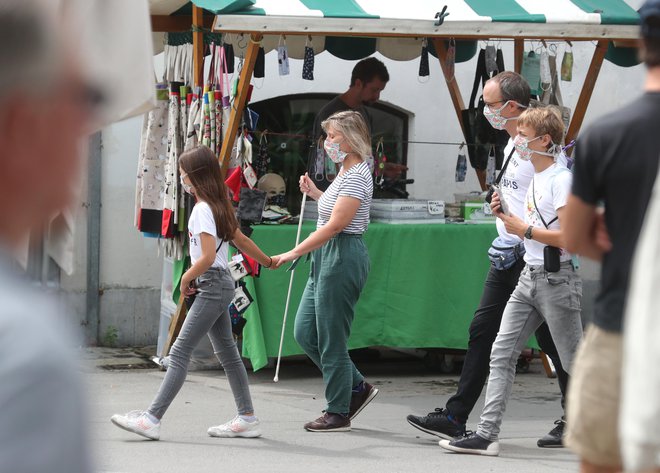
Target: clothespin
x,y
441,15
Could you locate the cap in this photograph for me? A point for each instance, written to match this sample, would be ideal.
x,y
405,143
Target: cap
x,y
649,15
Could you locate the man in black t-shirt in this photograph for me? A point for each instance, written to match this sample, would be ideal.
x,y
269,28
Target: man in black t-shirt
x,y
615,166
368,80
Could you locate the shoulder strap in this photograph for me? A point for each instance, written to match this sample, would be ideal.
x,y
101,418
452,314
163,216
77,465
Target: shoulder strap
x,y
506,163
536,207
478,76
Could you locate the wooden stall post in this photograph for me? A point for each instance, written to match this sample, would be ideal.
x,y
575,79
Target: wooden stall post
x,y
240,101
452,85
587,89
518,53
198,45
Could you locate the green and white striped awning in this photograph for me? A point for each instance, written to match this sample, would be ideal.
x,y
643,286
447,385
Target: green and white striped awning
x,y
547,19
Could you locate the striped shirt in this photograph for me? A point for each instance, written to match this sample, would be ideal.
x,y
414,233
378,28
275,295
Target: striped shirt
x,y
357,183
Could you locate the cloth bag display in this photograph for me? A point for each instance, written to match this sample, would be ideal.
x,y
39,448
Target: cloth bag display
x,y
481,137
552,93
152,159
251,206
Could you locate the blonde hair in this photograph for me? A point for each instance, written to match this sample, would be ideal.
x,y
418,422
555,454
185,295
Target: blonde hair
x,y
544,121
354,129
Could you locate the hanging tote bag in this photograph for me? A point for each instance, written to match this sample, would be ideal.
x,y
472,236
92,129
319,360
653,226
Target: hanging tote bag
x,y
480,136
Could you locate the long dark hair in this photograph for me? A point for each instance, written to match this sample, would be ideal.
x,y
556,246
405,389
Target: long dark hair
x,y
203,170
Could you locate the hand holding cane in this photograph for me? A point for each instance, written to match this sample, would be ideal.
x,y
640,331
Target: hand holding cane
x,y
288,294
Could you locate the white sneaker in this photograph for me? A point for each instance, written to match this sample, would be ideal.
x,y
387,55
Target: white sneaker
x,y
138,423
237,427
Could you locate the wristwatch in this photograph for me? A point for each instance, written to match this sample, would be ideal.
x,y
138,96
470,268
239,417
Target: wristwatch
x,y
528,232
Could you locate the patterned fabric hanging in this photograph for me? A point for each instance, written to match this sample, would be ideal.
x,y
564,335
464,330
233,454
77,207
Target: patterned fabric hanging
x,y
308,62
262,161
150,184
174,148
424,70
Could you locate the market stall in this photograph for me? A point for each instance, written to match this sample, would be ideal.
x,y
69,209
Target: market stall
x,y
424,295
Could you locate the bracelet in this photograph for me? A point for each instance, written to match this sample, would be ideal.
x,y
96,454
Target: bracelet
x,y
271,262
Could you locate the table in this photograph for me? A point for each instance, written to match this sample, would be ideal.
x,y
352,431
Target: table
x,y
424,285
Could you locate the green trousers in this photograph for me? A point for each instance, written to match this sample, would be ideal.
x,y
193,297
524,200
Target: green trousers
x,y
338,274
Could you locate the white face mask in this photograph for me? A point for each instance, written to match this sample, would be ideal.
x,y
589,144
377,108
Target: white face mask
x,y
186,187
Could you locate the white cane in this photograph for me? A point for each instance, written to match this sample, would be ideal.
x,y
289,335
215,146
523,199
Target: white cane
x,y
288,294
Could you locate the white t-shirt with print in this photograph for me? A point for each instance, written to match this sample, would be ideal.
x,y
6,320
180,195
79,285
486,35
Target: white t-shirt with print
x,y
551,189
202,221
514,184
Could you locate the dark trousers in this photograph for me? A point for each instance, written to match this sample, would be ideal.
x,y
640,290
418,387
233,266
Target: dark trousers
x,y
483,330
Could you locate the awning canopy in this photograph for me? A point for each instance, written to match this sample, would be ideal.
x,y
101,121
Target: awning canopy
x,y
549,19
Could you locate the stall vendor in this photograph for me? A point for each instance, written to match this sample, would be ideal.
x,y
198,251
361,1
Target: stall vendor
x,y
368,80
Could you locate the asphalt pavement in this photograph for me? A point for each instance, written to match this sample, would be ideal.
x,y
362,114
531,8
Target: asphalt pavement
x,y
381,440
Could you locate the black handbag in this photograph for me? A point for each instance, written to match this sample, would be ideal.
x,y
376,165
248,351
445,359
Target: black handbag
x,y
479,134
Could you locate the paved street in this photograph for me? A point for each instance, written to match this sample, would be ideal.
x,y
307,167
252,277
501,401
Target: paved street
x,y
381,440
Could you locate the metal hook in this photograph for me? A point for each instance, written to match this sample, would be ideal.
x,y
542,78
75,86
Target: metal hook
x,y
441,15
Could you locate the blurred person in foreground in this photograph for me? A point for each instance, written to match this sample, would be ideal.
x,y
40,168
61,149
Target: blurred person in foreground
x,y
616,165
640,407
43,116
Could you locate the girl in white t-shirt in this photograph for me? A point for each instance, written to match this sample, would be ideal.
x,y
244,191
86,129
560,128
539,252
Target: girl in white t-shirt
x,y
211,226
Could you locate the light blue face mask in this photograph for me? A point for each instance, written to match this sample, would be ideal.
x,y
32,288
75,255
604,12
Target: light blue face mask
x,y
334,152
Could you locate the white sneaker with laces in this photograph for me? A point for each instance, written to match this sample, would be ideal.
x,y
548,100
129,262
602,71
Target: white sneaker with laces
x,y
237,427
138,423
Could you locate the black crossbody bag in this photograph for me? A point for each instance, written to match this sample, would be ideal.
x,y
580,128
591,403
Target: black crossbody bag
x,y
551,254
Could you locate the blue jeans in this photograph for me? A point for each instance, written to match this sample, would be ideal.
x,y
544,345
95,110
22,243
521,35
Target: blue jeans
x,y
539,296
208,315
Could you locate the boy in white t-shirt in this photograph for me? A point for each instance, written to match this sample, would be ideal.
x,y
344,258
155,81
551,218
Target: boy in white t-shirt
x,y
549,290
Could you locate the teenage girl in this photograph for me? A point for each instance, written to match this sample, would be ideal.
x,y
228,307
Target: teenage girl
x,y
212,225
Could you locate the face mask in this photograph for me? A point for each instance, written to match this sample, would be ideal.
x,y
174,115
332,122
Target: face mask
x,y
187,188
495,117
336,155
522,148
279,200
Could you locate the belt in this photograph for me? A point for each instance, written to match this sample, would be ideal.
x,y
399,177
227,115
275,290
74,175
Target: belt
x,y
540,267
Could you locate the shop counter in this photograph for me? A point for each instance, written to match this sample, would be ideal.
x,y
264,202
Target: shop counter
x,y
422,291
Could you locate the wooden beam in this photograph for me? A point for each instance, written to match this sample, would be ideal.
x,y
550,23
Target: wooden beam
x,y
452,85
198,46
176,23
175,326
518,53
240,101
587,90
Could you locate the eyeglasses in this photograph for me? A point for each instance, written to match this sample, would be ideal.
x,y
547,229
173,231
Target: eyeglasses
x,y
490,104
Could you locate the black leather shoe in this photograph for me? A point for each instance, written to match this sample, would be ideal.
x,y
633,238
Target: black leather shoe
x,y
437,423
554,438
329,422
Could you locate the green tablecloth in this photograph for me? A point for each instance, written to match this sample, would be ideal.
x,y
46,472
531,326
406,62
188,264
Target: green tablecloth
x,y
424,285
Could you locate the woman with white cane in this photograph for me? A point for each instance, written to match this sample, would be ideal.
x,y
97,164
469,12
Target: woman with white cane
x,y
340,265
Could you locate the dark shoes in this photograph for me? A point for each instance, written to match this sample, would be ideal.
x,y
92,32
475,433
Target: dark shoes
x,y
329,422
359,400
472,444
553,439
438,423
